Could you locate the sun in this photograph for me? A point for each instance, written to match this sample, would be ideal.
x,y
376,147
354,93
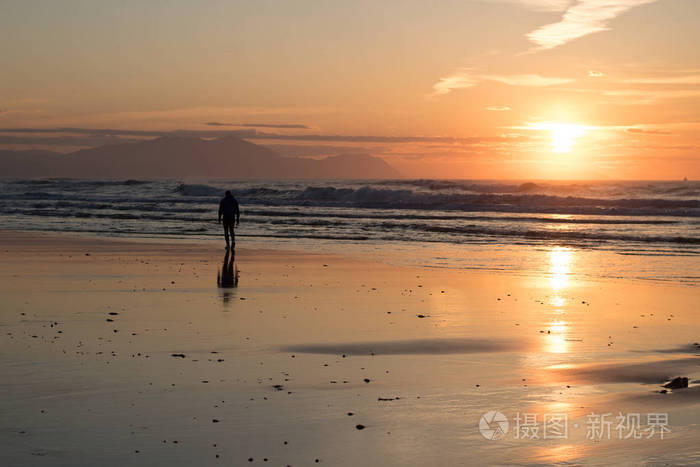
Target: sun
x,y
564,135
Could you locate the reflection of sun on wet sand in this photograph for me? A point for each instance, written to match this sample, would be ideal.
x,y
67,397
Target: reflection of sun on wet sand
x,y
127,349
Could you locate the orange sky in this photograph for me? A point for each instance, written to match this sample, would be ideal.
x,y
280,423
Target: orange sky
x,y
536,89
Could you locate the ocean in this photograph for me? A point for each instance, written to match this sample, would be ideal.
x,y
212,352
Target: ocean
x,y
443,223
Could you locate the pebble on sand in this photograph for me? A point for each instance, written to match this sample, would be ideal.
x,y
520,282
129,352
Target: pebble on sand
x,y
677,383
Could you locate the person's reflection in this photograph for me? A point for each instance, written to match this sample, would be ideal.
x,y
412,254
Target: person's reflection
x,y
227,278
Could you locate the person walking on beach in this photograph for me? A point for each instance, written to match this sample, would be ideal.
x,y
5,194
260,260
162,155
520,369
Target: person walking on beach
x,y
229,211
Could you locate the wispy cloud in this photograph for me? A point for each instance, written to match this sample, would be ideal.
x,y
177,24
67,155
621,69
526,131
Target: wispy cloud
x,y
537,5
688,79
527,80
595,74
312,150
581,19
253,134
457,80
62,141
647,131
644,96
261,125
498,108
466,78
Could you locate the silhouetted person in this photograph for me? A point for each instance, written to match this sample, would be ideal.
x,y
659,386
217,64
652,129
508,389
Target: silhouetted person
x,y
229,211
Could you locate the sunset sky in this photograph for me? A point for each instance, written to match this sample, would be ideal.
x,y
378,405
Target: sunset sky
x,y
501,89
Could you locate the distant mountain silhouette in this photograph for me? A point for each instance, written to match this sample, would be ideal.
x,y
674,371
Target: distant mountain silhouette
x,y
177,157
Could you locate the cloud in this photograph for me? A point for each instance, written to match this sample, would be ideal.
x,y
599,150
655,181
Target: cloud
x,y
306,150
498,108
644,96
647,131
528,80
80,133
581,19
186,117
255,135
595,74
688,79
261,125
465,78
537,5
458,80
71,141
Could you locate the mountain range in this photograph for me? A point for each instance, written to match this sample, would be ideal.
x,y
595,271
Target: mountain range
x,y
178,157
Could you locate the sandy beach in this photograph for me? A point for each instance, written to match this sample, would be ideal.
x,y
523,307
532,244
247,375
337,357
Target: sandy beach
x,y
465,233
127,352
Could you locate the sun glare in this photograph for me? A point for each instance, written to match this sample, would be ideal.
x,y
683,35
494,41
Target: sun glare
x,y
564,136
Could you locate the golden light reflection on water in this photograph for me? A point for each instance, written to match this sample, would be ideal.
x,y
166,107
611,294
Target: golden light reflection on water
x,y
558,454
556,338
560,406
558,327
557,301
560,265
568,451
562,216
560,259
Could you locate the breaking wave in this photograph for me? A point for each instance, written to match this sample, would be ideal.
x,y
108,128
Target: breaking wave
x,y
519,201
590,213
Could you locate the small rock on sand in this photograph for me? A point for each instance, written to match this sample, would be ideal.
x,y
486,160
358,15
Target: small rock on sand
x,y
677,383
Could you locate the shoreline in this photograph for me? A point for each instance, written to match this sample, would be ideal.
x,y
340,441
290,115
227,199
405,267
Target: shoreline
x,y
671,269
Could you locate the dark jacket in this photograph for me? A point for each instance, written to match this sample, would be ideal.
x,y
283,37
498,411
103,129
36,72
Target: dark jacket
x,y
228,208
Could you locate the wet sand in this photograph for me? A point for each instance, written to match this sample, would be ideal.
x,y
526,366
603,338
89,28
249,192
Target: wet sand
x,y
124,352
